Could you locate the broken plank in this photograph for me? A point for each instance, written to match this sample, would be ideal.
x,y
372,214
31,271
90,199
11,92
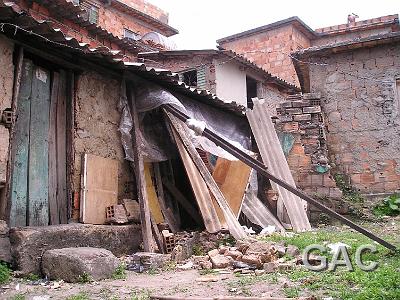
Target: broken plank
x,y
232,178
200,190
154,204
184,140
138,166
273,157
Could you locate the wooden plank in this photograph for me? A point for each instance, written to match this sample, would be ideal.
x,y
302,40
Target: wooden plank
x,y
154,205
178,196
99,189
200,189
70,113
232,178
20,146
138,166
62,201
11,152
38,179
167,212
274,158
157,236
184,140
53,208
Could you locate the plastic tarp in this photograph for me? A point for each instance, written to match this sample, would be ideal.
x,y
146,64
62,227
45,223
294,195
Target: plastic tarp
x,y
156,143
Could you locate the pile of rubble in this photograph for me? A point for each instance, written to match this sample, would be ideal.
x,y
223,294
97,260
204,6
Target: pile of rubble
x,y
261,257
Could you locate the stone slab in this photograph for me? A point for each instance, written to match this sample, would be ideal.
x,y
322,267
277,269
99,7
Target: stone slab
x,y
29,243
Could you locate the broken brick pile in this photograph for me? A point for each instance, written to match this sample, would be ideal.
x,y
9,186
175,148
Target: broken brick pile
x,y
301,130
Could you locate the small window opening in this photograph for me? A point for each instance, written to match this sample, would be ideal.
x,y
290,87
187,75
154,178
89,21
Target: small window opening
x,y
251,88
190,78
92,11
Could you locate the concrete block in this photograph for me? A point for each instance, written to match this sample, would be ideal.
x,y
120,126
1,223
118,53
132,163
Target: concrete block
x,y
303,117
312,109
29,243
5,249
294,111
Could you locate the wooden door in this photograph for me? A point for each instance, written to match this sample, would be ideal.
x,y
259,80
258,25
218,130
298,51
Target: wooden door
x,y
34,166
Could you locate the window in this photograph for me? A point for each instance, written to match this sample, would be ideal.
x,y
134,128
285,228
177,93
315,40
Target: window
x,y
190,78
92,11
251,86
195,78
129,34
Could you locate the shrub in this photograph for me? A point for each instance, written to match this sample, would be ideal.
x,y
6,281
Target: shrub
x,y
5,273
389,207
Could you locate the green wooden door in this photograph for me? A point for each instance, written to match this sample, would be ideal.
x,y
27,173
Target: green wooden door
x,y
29,197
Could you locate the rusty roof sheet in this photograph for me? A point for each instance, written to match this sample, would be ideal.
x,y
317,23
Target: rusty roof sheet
x,y
231,55
19,25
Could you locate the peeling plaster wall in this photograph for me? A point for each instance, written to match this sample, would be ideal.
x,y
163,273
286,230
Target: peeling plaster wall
x,y
96,128
362,113
6,87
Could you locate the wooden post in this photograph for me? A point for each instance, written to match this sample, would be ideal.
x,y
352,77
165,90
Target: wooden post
x,y
234,227
138,167
14,104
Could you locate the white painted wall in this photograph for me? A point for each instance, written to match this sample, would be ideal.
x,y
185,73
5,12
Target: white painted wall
x,y
230,82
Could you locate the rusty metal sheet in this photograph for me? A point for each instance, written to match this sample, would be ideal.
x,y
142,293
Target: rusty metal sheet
x,y
274,158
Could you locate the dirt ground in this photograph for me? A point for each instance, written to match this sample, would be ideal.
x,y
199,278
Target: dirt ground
x,y
177,283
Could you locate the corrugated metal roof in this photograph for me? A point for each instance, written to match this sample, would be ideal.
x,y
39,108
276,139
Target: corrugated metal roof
x,y
273,157
42,33
230,55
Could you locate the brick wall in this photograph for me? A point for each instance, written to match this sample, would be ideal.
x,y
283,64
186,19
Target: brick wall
x,y
359,99
148,9
270,50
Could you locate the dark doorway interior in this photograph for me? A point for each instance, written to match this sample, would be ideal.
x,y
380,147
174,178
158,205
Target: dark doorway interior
x,y
251,88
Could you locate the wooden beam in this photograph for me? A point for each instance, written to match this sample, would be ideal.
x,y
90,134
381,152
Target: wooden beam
x,y
233,224
157,236
70,138
138,167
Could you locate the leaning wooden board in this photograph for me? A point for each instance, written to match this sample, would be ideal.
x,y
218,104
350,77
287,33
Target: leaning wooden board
x,y
151,192
232,178
273,157
99,188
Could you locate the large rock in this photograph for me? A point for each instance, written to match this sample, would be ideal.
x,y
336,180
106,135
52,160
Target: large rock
x,y
3,228
76,264
5,249
29,243
220,262
148,260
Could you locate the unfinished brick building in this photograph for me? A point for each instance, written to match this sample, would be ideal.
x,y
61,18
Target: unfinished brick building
x,y
354,68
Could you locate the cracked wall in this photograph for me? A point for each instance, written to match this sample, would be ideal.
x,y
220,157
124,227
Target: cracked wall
x,y
361,105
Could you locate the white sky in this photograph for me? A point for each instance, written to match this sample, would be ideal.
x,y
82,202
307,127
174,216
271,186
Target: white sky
x,y
202,22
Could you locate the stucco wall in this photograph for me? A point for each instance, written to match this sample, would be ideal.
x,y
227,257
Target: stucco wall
x,y
96,121
359,100
231,82
6,87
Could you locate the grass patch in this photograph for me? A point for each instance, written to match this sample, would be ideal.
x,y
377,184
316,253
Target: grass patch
x,y
143,294
119,273
32,277
169,266
85,278
80,296
390,206
18,297
5,273
207,271
380,284
291,292
198,250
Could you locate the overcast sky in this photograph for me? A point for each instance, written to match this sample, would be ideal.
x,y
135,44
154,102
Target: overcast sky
x,y
202,22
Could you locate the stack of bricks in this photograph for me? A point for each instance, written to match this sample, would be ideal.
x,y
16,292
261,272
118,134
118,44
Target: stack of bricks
x,y
300,126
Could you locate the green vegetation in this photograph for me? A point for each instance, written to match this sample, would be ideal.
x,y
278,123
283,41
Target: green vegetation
x,y
198,250
228,240
143,294
80,296
32,277
18,297
169,266
389,207
291,292
207,271
85,278
5,273
120,272
382,283
350,194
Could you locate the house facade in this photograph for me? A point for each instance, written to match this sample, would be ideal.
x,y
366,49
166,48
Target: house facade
x,y
227,74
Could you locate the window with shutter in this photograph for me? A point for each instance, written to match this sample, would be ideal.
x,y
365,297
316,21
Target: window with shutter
x,y
201,78
92,10
129,34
